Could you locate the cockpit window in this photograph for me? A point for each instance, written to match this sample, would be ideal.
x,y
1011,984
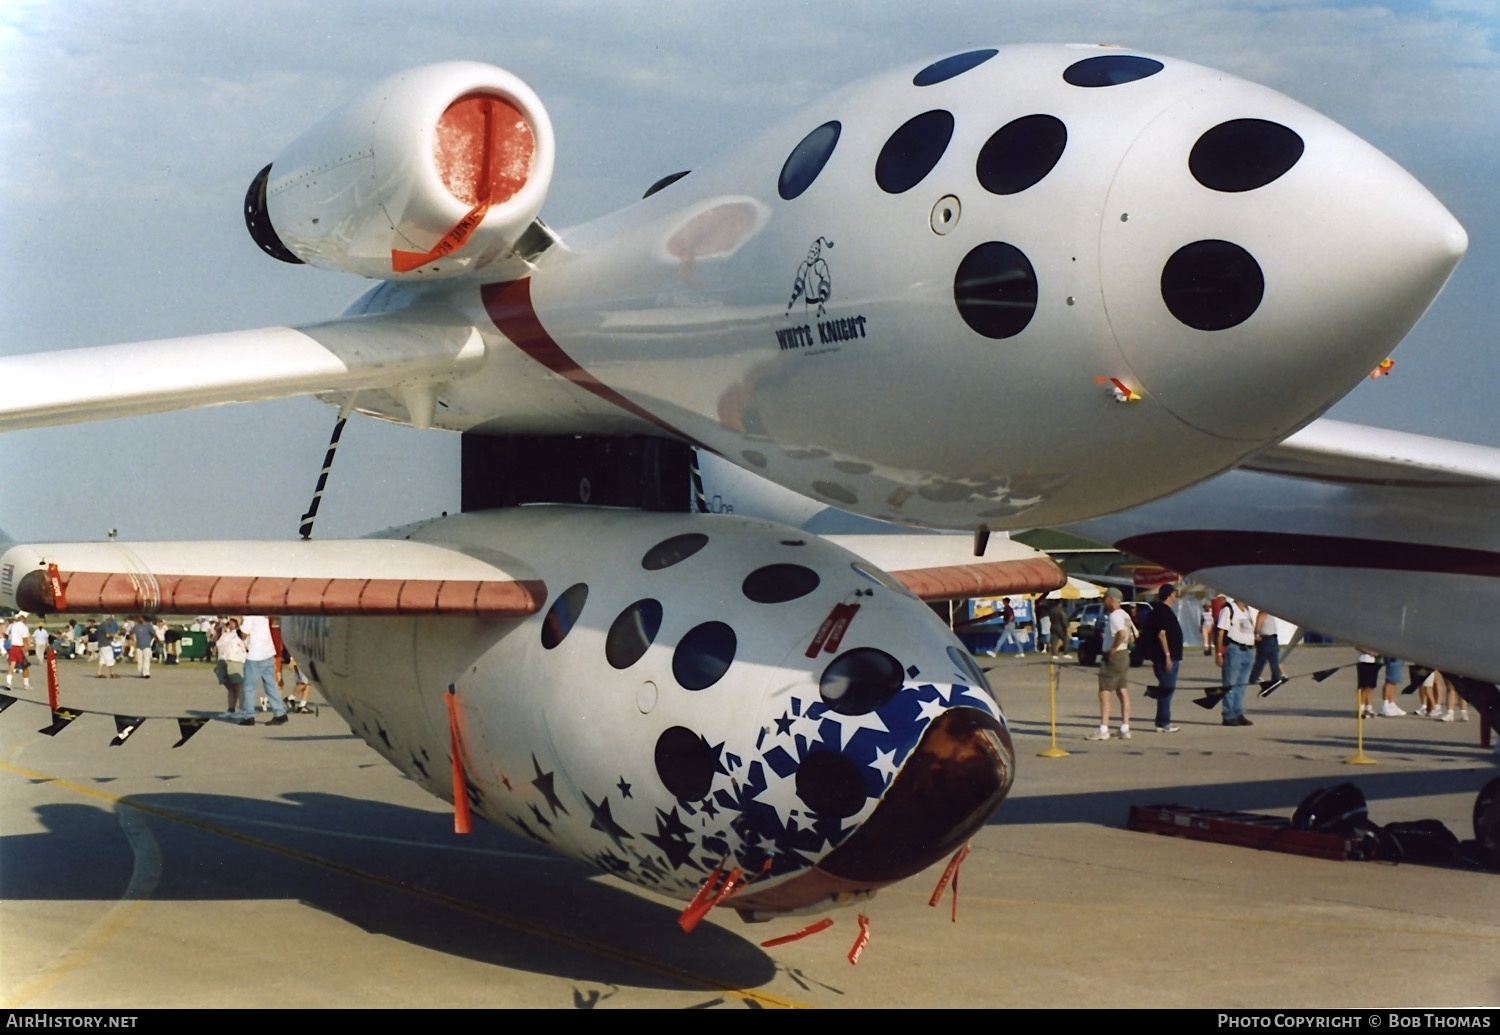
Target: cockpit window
x,y
562,615
1212,285
1020,153
1110,70
946,68
703,655
778,583
859,681
913,150
632,633
807,160
1244,154
670,551
995,289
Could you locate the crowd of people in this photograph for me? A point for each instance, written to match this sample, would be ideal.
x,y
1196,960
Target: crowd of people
x,y
1244,644
247,654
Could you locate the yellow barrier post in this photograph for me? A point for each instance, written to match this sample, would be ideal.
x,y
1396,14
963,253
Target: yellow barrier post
x,y
1359,757
1054,751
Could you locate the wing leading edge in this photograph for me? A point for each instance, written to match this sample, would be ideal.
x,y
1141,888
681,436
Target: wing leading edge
x,y
942,567
331,577
409,351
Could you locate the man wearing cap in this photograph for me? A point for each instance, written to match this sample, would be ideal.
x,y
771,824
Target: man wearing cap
x,y
1114,665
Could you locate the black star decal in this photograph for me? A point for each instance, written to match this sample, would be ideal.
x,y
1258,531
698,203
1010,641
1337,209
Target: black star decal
x,y
671,838
605,822
624,788
543,783
417,764
709,809
518,821
610,862
669,825
652,869
543,820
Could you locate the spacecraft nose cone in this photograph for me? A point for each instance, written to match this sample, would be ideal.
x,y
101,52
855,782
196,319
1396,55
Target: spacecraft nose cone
x,y
1253,284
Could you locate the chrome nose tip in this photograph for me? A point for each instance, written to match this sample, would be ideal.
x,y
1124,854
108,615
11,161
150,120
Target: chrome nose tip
x,y
958,775
955,778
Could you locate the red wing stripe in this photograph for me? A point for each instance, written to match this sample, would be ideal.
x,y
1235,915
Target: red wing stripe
x,y
89,592
983,579
1189,551
510,308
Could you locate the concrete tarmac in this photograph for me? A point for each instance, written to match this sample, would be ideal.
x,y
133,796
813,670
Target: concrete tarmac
x,y
291,867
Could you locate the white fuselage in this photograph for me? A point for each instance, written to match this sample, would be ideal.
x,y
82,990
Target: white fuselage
x,y
883,350
658,717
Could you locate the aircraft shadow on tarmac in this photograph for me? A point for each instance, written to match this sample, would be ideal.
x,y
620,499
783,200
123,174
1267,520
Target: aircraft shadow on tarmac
x,y
389,870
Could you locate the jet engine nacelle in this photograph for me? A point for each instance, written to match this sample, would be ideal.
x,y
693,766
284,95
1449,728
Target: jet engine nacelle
x,y
431,173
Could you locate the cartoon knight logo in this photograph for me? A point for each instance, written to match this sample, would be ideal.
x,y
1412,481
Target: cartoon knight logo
x,y
814,284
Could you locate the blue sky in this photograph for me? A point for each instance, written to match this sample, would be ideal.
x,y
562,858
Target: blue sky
x,y
129,131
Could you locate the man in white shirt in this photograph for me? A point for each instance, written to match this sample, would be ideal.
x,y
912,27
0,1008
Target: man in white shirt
x,y
260,668
16,654
1114,665
1235,655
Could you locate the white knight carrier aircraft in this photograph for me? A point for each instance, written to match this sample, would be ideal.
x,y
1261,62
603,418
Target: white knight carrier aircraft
x,y
1106,246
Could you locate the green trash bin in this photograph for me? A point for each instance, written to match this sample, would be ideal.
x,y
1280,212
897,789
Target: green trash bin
x,y
193,645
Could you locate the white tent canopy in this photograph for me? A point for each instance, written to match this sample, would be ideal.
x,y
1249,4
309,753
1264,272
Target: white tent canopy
x,y
1076,589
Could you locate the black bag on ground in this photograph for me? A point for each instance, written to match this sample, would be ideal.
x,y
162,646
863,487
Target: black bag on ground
x,y
1339,809
1419,841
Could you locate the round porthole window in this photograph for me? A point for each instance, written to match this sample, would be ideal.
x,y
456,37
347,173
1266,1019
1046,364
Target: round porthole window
x,y
913,150
807,160
859,681
704,655
830,784
674,550
778,583
632,633
1212,285
563,614
995,290
685,763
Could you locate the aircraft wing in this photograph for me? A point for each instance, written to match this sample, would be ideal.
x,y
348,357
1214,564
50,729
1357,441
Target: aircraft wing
x,y
942,567
328,577
404,351
391,576
1382,538
1352,454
